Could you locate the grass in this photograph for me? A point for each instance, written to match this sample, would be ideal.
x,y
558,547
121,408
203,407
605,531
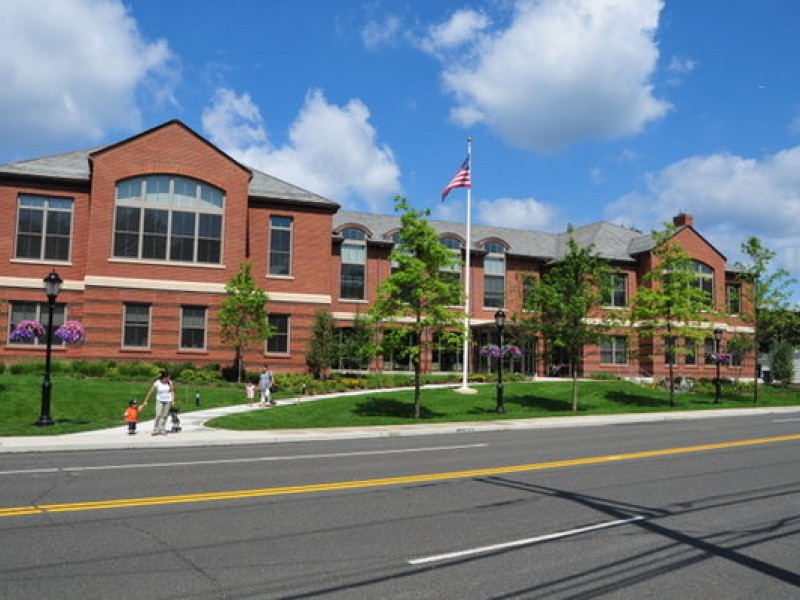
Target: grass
x,y
522,401
88,404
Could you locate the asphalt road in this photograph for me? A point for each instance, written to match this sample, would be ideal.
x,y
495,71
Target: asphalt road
x,y
680,509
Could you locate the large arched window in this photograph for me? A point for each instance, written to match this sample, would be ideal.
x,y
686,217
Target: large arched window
x,y
169,218
354,263
452,273
704,279
494,275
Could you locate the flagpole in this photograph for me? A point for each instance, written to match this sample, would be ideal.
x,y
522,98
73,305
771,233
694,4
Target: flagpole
x,y
464,389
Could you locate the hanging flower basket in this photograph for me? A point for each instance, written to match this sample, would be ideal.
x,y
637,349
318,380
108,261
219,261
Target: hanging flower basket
x,y
71,332
27,331
495,351
720,357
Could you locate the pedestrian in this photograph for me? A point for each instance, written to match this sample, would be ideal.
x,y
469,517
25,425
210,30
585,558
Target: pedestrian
x,y
265,382
250,390
165,397
131,416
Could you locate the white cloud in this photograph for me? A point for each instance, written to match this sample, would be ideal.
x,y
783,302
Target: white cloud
x,y
75,69
462,27
332,150
731,198
560,73
381,33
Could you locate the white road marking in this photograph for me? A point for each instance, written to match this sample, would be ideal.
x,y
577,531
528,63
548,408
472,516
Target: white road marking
x,y
240,460
785,420
515,543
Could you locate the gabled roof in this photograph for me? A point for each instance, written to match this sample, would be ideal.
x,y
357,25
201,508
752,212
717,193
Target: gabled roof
x,y
611,241
76,166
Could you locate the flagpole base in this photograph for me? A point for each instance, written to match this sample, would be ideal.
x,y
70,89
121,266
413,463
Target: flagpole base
x,y
467,391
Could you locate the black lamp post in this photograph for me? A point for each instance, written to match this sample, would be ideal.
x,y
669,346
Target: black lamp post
x,y
717,340
52,286
500,321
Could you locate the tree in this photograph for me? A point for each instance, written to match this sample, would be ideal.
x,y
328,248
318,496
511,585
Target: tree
x,y
243,315
780,359
358,346
669,303
322,347
563,299
415,302
769,300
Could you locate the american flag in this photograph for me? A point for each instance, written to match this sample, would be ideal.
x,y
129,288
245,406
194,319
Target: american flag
x,y
461,179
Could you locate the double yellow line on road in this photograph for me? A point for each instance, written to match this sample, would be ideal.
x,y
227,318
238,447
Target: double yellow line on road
x,y
366,483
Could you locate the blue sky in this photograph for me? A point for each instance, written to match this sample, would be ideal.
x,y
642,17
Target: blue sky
x,y
581,110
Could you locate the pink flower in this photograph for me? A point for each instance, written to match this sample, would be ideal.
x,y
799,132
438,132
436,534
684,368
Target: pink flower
x,y
71,332
26,331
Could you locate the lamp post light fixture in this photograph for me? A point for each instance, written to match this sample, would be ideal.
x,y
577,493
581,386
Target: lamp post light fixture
x,y
52,286
717,341
500,321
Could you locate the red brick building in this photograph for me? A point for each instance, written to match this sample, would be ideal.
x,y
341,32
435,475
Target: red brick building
x,y
146,232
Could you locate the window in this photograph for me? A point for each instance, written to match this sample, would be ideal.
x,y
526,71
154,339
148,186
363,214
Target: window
x,y
35,311
494,275
279,342
161,217
354,258
452,273
280,245
690,351
704,280
617,295
44,227
193,327
669,350
136,327
614,351
709,349
733,295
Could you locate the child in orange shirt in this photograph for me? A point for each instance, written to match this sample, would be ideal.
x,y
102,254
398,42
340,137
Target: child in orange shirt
x,y
131,416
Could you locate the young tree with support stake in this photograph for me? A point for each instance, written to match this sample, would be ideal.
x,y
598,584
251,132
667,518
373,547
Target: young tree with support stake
x,y
669,303
243,315
415,300
563,299
769,300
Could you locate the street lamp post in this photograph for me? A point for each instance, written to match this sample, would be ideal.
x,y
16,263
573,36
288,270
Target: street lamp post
x,y
717,340
500,321
52,286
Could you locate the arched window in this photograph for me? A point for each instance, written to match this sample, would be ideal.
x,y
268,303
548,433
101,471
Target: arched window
x,y
704,280
494,275
169,218
452,272
354,263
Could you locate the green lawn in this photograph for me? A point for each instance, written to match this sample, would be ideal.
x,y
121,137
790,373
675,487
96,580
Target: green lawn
x,y
86,404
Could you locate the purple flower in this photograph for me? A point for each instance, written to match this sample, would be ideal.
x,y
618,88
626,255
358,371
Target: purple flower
x,y
494,351
71,332
26,331
720,357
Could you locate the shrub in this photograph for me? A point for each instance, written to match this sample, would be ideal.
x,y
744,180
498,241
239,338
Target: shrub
x,y
137,370
91,369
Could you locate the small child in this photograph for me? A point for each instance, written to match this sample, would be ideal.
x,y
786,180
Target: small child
x,y
251,392
131,416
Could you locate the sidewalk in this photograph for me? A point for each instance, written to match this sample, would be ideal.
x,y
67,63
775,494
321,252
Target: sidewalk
x,y
195,434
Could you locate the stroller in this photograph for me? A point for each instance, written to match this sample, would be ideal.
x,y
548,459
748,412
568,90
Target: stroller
x,y
174,418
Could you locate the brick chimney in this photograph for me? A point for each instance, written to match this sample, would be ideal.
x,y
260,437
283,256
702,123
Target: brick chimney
x,y
683,220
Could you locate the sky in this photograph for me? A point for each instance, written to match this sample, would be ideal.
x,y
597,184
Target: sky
x,y
629,111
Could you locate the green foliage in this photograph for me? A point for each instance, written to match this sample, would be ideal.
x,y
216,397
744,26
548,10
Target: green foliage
x,y
562,300
91,369
415,302
358,348
322,347
780,358
669,304
243,315
137,370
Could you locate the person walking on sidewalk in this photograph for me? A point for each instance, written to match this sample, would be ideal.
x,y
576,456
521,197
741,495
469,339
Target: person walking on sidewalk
x,y
265,386
165,396
131,416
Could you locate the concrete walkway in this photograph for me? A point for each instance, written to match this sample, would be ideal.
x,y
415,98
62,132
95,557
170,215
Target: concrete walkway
x,y
195,433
